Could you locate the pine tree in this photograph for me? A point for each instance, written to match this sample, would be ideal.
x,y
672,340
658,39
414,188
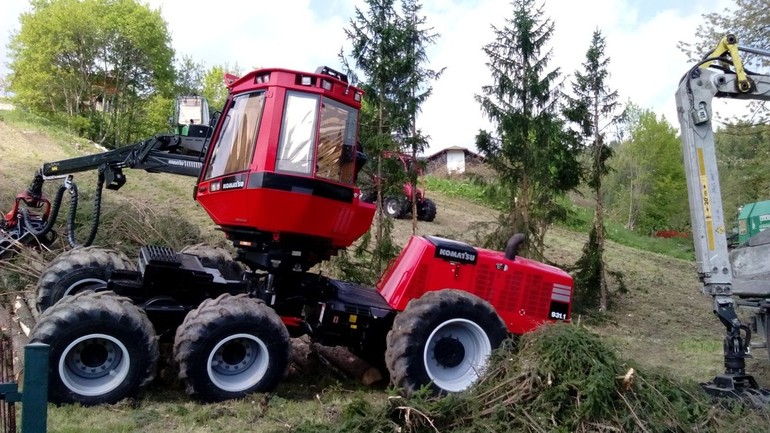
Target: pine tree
x,y
377,46
415,89
530,150
593,108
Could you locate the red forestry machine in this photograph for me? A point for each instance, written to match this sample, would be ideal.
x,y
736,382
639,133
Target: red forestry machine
x,y
277,175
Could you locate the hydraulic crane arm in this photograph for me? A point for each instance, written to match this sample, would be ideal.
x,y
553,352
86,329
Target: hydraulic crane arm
x,y
747,273
694,102
157,154
164,153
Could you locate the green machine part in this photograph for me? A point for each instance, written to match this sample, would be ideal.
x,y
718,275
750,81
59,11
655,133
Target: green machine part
x,y
752,219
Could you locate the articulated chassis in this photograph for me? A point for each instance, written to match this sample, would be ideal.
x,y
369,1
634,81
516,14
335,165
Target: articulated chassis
x,y
169,285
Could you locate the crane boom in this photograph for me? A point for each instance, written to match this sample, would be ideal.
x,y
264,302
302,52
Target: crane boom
x,y
744,273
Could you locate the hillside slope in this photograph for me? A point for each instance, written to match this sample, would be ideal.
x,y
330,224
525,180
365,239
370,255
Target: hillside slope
x,y
662,321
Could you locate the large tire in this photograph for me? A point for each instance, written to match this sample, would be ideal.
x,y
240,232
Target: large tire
x,y
217,258
426,210
442,340
76,270
103,348
393,207
231,346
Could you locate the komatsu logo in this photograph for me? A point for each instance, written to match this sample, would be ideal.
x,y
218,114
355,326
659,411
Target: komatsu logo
x,y
189,164
233,185
460,256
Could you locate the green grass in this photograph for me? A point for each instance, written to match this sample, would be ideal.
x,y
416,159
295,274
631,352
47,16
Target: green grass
x,y
319,399
62,134
579,218
461,187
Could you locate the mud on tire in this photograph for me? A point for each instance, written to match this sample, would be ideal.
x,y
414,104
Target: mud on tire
x,y
103,348
231,346
442,340
217,258
77,270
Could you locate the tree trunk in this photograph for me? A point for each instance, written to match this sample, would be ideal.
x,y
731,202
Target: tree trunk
x,y
630,220
599,209
414,178
378,186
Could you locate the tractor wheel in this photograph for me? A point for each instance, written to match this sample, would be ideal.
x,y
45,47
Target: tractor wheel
x,y
77,270
368,196
427,210
442,340
231,346
217,258
393,207
103,348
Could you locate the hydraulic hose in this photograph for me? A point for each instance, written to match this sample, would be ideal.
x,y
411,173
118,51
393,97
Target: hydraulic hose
x,y
51,217
95,216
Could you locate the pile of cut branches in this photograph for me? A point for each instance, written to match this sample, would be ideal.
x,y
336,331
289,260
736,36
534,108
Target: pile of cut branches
x,y
560,378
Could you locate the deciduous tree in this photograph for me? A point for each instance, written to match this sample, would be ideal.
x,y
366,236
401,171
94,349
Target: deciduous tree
x,y
649,188
214,88
94,62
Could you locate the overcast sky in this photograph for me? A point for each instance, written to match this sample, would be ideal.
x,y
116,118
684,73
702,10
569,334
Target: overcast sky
x,y
641,35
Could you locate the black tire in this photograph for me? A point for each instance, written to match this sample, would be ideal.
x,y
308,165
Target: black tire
x,y
426,210
442,340
217,258
393,207
231,346
103,348
76,270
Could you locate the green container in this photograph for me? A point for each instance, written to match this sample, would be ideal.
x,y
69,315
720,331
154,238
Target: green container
x,y
752,219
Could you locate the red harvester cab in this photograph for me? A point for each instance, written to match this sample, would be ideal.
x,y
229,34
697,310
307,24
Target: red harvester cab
x,y
525,293
279,176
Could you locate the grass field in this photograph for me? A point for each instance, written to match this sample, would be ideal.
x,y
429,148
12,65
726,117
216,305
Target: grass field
x,y
662,322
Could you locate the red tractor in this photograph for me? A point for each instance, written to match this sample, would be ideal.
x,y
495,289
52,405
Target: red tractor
x,y
399,205
278,178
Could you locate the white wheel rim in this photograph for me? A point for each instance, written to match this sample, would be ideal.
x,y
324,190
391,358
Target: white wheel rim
x,y
459,370
238,362
392,207
82,284
94,364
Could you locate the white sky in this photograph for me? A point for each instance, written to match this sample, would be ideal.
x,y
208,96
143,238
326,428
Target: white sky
x,y
641,37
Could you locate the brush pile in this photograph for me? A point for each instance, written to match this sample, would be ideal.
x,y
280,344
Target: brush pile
x,y
561,378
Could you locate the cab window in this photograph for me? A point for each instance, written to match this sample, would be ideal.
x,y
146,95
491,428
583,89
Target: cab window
x,y
336,142
295,149
235,148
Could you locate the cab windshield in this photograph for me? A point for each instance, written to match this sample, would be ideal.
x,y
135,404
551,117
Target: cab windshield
x,y
235,148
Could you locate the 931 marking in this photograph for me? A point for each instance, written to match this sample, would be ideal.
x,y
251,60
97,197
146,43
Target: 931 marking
x,y
558,316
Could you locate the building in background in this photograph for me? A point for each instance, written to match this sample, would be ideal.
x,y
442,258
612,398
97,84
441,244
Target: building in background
x,y
453,160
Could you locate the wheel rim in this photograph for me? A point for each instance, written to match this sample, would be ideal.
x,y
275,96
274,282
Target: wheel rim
x,y
83,284
391,207
94,364
456,354
238,362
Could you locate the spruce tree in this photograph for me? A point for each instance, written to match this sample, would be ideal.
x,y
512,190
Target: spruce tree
x,y
377,46
529,149
415,89
593,107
